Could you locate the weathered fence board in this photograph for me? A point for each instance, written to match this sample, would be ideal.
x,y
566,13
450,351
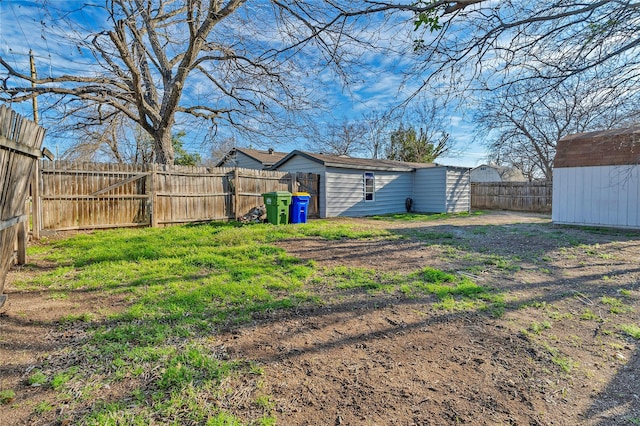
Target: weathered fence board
x,y
92,195
518,196
20,142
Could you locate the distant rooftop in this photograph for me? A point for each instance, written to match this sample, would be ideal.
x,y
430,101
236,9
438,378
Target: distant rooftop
x,y
341,161
267,157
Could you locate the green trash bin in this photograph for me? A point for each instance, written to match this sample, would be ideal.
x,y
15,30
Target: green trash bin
x,y
277,204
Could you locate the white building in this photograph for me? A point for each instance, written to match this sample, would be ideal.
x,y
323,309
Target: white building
x,y
493,173
596,179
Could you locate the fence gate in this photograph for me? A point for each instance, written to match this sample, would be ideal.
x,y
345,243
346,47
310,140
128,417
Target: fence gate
x,y
310,182
20,142
74,196
93,195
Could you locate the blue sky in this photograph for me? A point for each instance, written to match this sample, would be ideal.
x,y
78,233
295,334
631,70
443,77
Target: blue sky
x,y
378,85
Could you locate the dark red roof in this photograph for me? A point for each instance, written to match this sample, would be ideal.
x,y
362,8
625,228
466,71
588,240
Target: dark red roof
x,y
615,147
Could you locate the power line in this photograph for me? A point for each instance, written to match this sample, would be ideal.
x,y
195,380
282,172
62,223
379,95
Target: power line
x,y
18,20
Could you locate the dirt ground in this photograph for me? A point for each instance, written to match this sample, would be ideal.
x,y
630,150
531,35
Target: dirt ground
x,y
388,359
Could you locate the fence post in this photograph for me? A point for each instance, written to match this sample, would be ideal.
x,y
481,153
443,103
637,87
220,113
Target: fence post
x,y
152,198
36,205
236,195
21,258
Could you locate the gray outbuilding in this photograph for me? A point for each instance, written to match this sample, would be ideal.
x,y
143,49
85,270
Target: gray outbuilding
x,y
364,187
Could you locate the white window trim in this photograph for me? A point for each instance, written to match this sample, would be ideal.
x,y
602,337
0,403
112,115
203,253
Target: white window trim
x,y
365,176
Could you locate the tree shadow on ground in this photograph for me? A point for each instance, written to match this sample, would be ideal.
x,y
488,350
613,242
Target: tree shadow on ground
x,y
480,251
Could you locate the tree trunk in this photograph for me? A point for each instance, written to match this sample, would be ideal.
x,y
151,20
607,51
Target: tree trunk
x,y
163,147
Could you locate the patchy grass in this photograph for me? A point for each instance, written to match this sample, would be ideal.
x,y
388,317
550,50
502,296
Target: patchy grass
x,y
180,285
631,330
537,327
616,306
7,396
502,262
588,314
158,358
565,363
37,378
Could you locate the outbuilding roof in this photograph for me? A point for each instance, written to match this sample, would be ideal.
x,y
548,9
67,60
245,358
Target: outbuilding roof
x,y
355,163
268,158
615,147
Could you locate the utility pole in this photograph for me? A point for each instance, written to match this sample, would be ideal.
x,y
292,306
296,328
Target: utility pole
x,y
35,182
32,62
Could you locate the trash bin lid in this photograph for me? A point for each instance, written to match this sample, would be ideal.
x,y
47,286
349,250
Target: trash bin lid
x,y
301,194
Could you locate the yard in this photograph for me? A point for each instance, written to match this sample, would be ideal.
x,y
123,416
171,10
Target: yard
x,y
488,318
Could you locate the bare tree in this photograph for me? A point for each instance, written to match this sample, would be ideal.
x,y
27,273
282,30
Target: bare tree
x,y
341,138
117,140
227,61
499,43
234,61
220,150
155,60
378,127
522,124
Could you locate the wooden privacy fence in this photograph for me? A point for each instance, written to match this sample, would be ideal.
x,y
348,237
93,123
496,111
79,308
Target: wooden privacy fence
x,y
20,142
519,196
92,195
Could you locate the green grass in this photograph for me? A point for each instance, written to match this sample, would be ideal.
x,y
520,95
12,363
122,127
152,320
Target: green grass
x,y
616,306
62,378
37,378
43,407
588,314
179,286
565,363
452,292
502,262
349,278
631,330
537,327
7,396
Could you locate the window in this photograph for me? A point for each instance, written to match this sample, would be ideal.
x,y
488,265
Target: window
x,y
369,186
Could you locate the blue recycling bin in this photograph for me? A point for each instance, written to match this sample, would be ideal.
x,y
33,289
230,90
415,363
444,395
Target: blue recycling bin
x,y
299,207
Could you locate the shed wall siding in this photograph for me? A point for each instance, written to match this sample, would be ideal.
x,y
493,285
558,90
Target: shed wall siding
x,y
301,164
458,191
242,161
345,192
429,190
598,196
246,162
